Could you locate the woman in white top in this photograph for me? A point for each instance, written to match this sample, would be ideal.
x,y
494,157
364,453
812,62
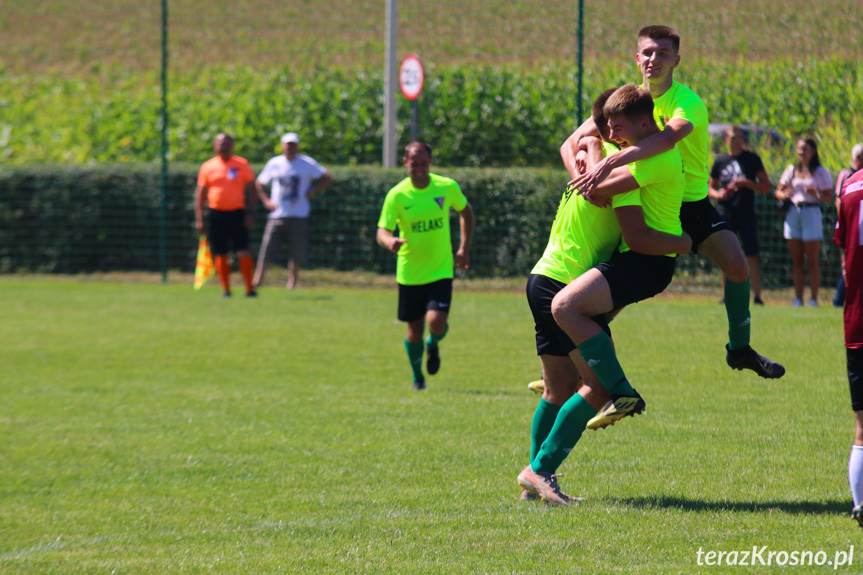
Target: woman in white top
x,y
806,184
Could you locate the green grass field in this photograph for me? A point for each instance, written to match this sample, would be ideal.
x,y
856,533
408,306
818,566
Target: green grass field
x,y
152,429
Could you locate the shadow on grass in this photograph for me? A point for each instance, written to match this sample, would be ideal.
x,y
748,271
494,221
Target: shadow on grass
x,y
310,297
831,507
487,393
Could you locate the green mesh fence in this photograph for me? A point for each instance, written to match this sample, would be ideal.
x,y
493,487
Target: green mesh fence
x,y
81,87
79,220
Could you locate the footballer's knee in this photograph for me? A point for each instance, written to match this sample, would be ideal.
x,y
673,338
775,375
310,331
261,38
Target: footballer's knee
x,y
562,308
724,249
415,331
736,269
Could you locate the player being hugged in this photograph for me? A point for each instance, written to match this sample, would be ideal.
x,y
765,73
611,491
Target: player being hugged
x,y
599,259
682,119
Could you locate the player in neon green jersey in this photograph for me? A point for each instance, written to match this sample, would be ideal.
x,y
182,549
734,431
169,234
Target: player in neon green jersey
x,y
420,206
682,118
582,236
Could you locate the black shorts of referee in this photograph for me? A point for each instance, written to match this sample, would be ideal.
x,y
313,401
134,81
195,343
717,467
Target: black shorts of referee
x,y
226,230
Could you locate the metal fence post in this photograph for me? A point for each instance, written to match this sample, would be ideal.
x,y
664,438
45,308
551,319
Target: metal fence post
x,y
580,57
390,80
163,216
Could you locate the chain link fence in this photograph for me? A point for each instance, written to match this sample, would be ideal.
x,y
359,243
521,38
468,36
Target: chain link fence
x,y
81,87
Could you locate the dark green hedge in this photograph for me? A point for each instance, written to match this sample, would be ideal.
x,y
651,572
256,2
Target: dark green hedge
x,y
96,219
89,219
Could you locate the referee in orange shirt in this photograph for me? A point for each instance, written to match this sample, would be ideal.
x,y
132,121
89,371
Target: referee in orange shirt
x,y
223,183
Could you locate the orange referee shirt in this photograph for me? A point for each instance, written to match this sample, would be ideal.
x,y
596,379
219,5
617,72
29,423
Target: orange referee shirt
x,y
226,182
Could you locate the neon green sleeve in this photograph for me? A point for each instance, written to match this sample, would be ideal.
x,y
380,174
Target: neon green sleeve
x,y
389,216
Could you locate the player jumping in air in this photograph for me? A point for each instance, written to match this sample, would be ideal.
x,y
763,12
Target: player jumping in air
x,y
682,118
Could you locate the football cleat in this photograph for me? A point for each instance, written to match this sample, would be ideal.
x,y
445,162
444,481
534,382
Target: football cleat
x,y
538,386
543,484
528,496
420,384
748,358
433,362
618,407
857,514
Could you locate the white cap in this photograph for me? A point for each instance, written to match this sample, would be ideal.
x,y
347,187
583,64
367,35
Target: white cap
x,y
290,137
857,152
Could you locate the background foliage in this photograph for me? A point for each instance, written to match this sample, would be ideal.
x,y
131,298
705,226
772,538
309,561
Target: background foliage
x,y
80,83
80,219
474,116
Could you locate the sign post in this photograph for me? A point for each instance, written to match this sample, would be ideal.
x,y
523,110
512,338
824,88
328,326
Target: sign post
x,y
411,82
390,140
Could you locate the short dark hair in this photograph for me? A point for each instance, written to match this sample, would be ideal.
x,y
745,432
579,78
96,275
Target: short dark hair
x,y
599,117
421,145
630,101
657,32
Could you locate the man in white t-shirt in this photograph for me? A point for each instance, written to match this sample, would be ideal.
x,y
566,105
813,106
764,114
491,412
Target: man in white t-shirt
x,y
289,176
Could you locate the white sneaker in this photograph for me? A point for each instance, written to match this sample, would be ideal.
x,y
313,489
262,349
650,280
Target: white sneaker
x,y
797,303
813,303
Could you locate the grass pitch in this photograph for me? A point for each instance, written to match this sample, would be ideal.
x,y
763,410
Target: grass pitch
x,y
154,429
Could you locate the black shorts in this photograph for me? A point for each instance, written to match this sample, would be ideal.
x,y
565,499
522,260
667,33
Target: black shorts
x,y
415,301
226,229
634,277
855,377
745,224
701,220
550,339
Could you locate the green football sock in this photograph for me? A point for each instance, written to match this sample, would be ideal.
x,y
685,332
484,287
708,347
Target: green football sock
x,y
543,420
598,352
737,309
623,388
567,430
433,338
415,356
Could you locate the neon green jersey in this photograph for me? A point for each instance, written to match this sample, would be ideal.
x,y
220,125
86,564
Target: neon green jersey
x,y
681,102
581,237
661,182
422,216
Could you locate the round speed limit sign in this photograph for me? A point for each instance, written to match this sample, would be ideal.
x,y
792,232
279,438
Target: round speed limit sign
x,y
411,77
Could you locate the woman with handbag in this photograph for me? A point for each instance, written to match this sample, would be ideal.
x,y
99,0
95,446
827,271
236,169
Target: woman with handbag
x,y
806,184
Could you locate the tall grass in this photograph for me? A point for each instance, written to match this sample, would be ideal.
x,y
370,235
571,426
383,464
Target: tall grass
x,y
80,83
482,116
